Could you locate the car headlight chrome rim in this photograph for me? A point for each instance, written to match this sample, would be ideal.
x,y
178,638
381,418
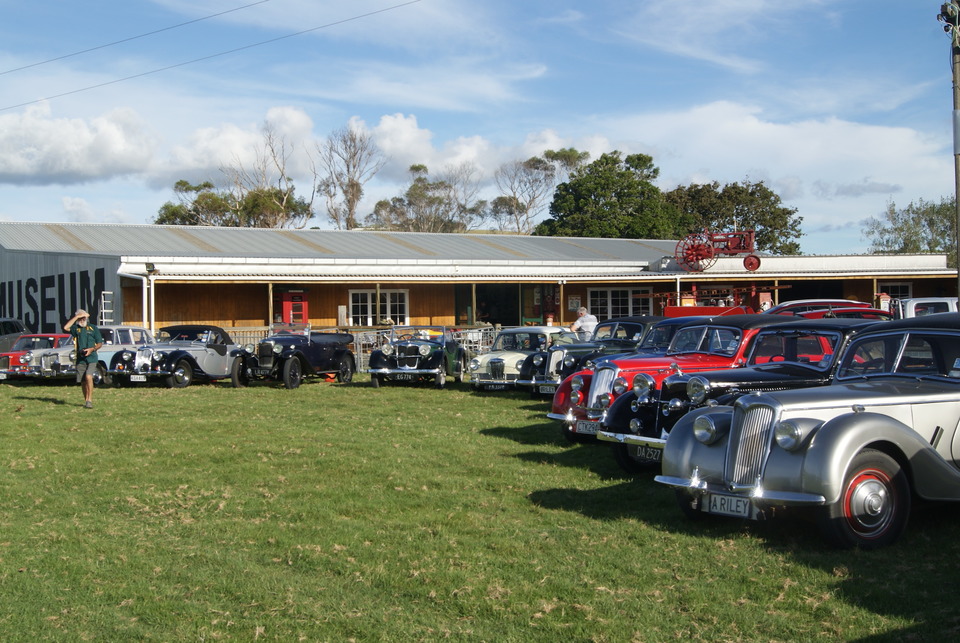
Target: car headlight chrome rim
x,y
642,385
788,435
619,385
474,364
387,349
576,383
424,349
705,430
697,389
538,360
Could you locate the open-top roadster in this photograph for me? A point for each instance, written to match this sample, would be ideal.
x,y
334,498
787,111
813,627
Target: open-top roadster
x,y
418,354
292,352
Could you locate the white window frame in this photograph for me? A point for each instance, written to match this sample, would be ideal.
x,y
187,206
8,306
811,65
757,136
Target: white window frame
x,y
639,302
904,288
390,311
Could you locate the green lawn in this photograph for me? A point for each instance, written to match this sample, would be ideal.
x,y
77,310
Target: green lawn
x,y
343,513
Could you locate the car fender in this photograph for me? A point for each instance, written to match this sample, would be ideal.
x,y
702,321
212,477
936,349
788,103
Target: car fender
x,y
175,356
833,446
683,452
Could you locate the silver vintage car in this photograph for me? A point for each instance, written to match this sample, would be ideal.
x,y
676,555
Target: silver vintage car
x,y
180,355
856,452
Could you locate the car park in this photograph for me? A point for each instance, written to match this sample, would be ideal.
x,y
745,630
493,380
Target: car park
x,y
292,352
60,363
180,355
542,371
583,399
854,453
414,354
16,363
798,354
499,368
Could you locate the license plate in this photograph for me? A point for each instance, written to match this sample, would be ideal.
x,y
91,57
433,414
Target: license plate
x,y
496,387
588,427
260,371
138,378
3,376
548,389
728,505
648,453
405,377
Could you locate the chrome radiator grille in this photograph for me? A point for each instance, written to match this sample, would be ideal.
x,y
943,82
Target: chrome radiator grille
x,y
555,364
749,444
49,362
602,383
497,369
265,354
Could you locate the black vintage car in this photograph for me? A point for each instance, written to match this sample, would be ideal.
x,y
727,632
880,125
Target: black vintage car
x,y
799,354
418,354
292,352
542,371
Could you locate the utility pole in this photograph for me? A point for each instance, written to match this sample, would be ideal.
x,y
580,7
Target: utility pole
x,y
950,17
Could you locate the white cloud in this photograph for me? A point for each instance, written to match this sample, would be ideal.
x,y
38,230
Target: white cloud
x,y
36,148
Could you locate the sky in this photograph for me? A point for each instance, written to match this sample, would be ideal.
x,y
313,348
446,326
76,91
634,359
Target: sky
x,y
842,107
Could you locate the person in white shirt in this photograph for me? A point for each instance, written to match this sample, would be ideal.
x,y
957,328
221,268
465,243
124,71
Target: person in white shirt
x,y
584,324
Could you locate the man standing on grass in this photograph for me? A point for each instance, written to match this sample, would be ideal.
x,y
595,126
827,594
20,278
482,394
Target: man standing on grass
x,y
87,339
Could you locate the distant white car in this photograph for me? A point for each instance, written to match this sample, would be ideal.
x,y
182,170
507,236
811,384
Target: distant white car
x,y
920,306
499,368
60,363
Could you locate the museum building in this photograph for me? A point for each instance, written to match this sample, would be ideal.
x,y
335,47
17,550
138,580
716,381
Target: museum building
x,y
249,277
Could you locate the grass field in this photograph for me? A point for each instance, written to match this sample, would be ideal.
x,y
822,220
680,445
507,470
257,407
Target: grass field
x,y
343,513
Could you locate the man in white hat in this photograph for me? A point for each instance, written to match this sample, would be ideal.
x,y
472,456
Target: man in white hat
x,y
87,339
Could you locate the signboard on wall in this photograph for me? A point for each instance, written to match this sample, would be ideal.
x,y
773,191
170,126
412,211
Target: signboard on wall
x,y
573,303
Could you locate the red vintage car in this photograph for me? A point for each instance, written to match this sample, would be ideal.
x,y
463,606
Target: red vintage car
x,y
16,363
582,400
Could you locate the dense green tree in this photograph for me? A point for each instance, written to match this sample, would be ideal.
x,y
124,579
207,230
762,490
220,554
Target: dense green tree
x,y
611,197
923,226
447,204
739,206
200,204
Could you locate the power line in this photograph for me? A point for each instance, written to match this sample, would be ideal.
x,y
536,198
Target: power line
x,y
143,35
211,56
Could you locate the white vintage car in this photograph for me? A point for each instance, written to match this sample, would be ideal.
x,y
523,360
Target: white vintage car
x,y
499,368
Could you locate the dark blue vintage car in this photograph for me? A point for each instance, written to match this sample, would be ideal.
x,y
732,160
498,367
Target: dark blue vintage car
x,y
292,352
417,354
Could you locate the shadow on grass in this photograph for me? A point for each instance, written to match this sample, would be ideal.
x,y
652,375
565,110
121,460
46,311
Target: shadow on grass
x,y
44,398
915,580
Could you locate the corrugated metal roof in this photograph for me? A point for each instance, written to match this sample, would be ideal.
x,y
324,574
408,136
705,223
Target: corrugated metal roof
x,y
194,241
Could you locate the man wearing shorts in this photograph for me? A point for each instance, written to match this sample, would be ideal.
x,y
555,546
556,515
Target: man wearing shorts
x,y
87,339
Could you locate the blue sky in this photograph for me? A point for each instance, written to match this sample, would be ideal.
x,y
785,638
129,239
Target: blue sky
x,y
840,106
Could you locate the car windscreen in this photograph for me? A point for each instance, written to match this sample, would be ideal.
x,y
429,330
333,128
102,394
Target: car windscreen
x,y
911,354
815,349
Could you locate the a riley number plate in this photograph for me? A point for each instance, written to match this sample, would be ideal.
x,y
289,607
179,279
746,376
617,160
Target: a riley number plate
x,y
728,505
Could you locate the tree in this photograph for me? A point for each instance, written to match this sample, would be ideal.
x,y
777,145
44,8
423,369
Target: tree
x,y
611,197
348,159
923,226
739,206
198,204
565,161
524,187
262,196
447,204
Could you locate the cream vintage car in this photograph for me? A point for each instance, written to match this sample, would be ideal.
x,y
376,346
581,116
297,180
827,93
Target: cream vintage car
x,y
498,368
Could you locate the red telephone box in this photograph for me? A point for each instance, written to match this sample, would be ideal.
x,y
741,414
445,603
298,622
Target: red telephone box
x,y
293,307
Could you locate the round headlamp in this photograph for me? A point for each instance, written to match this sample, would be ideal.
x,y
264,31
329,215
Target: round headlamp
x,y
576,383
277,349
619,385
569,361
705,430
603,400
387,349
538,360
643,384
27,357
697,389
424,349
788,435
474,364
249,348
